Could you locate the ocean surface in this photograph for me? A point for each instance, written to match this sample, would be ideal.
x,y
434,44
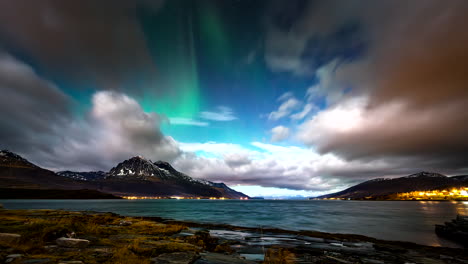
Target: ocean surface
x,y
390,220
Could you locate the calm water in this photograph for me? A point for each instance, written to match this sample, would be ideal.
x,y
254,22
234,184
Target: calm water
x,y
405,221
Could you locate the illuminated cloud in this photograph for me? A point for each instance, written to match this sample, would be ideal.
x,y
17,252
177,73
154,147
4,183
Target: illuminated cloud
x,y
305,111
224,113
398,90
269,165
37,123
279,133
285,109
187,121
116,128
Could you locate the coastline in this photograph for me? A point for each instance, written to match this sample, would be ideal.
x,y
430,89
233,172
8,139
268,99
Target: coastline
x,y
413,222
219,242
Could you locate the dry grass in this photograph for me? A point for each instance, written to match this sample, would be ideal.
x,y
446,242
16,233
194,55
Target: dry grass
x,y
124,255
152,228
135,243
151,248
279,256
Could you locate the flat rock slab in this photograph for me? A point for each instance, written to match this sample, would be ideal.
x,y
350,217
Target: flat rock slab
x,y
176,258
216,258
72,242
8,238
36,261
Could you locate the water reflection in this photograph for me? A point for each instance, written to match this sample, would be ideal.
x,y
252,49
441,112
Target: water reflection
x,y
462,208
436,212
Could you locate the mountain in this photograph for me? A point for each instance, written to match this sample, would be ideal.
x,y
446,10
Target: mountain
x,y
12,160
422,181
144,177
17,172
225,190
136,176
141,168
83,176
21,178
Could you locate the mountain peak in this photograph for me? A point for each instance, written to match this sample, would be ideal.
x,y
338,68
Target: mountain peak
x,y
140,158
426,174
8,158
164,165
136,167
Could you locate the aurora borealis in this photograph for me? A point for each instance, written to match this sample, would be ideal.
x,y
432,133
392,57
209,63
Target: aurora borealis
x,y
274,98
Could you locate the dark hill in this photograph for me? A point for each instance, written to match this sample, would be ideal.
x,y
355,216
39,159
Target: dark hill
x,y
422,181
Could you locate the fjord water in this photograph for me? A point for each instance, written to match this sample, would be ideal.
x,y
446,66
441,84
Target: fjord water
x,y
389,220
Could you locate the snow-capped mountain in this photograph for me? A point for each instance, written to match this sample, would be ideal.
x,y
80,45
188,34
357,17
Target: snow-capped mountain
x,y
83,176
136,176
139,167
426,174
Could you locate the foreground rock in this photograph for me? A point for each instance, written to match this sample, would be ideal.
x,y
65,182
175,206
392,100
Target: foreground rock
x,y
9,238
72,242
457,230
176,258
12,257
216,258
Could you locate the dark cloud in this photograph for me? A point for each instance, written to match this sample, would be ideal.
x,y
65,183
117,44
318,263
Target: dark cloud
x,y
237,160
32,109
405,96
99,41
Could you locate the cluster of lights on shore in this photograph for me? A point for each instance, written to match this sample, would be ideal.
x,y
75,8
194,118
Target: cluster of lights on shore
x,y
453,194
436,195
178,198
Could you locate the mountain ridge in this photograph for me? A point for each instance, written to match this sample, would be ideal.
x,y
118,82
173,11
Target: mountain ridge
x,y
380,187
135,176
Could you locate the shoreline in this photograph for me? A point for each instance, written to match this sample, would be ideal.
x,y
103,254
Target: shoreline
x,y
213,216
240,244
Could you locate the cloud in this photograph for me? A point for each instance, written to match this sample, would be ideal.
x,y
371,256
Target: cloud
x,y
187,122
33,109
285,109
354,131
279,133
237,160
214,149
224,114
97,40
285,96
36,121
395,89
290,167
305,111
115,129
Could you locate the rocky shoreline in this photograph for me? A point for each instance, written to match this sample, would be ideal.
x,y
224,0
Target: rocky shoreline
x,y
55,236
456,230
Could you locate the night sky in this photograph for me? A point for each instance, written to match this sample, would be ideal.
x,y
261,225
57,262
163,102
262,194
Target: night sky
x,y
276,98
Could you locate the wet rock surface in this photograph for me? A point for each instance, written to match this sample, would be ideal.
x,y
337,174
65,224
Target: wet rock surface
x,y
72,242
9,238
456,230
176,258
217,258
